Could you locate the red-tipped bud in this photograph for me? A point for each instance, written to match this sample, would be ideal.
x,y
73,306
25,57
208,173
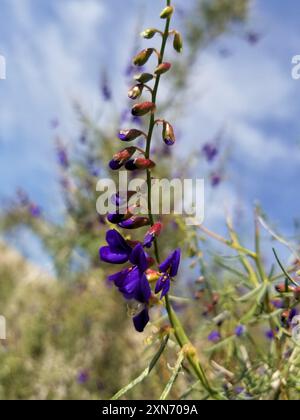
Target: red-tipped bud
x,y
139,163
167,12
135,92
178,42
156,229
125,154
162,68
168,134
142,163
281,288
152,233
130,135
149,33
142,58
142,109
143,78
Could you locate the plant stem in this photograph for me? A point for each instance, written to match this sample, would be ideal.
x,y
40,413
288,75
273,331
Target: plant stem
x,y
179,332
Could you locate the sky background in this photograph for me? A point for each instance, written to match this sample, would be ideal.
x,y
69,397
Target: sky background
x,y
55,52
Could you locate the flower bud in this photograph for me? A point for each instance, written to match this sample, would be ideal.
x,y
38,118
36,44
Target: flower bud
x,y
139,163
135,222
149,33
167,12
142,109
135,92
178,42
168,134
142,58
116,218
143,78
125,154
120,158
162,68
152,233
129,135
142,163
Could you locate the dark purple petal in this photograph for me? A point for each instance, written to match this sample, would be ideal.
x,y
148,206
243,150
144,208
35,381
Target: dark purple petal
x,y
119,278
171,264
141,320
115,218
149,238
118,251
116,241
163,284
135,222
136,286
139,258
115,165
130,165
116,257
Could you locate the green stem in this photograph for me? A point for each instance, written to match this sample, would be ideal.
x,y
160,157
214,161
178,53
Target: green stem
x,y
179,332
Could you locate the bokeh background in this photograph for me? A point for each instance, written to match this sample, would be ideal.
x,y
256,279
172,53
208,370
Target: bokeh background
x,y
68,72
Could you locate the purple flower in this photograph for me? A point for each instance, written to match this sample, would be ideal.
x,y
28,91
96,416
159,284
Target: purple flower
x,y
270,335
117,251
62,157
240,330
278,303
210,151
152,233
132,281
34,210
83,377
214,336
169,268
216,180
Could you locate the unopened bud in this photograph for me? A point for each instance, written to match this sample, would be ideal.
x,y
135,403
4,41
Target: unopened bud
x,y
130,135
135,222
149,33
142,58
168,134
178,42
125,154
142,109
152,233
144,77
139,163
162,68
135,92
167,12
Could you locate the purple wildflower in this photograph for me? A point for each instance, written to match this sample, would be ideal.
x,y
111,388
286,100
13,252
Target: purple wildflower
x,y
35,210
240,330
83,377
117,251
169,269
62,157
210,152
270,335
216,180
214,336
132,282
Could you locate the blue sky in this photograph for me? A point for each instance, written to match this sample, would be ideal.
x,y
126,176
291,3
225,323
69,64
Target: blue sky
x,y
55,51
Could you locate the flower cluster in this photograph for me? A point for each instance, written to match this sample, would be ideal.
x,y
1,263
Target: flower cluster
x,y
134,280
